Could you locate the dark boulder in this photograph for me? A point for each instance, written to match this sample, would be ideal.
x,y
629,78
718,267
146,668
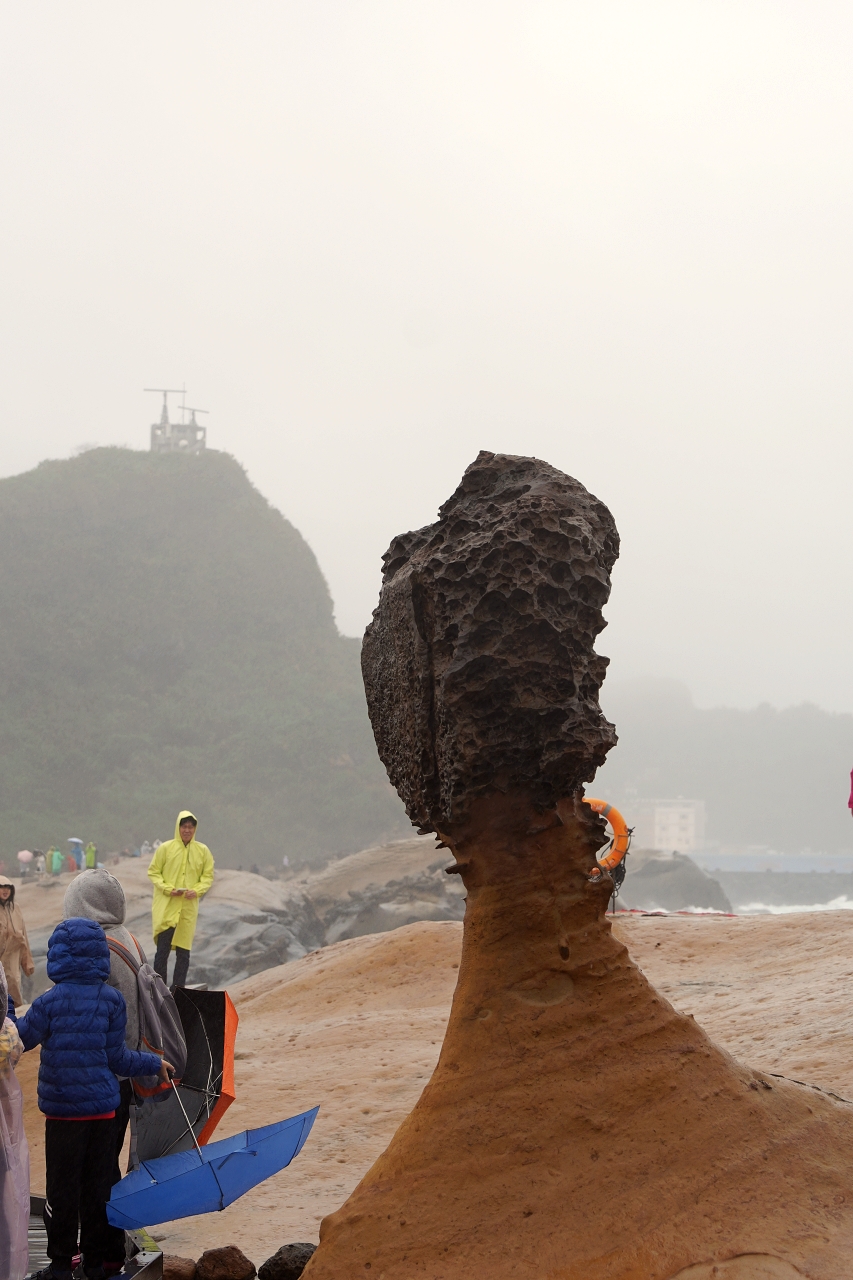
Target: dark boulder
x,y
228,1263
671,884
287,1263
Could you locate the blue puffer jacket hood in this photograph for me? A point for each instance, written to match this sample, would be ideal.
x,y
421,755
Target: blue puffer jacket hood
x,y
77,952
80,1025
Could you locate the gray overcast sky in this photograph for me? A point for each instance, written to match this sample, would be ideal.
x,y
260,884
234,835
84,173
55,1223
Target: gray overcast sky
x,y
374,238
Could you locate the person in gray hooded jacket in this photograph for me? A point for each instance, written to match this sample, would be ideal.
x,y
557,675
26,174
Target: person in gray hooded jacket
x,y
97,895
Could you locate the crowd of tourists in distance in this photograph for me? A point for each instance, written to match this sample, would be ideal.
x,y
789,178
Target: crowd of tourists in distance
x,y
88,1026
78,858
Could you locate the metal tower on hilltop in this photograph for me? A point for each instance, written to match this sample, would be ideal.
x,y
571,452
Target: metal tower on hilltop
x,y
174,437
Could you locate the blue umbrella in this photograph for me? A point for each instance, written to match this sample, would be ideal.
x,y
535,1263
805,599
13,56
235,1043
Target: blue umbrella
x,y
208,1177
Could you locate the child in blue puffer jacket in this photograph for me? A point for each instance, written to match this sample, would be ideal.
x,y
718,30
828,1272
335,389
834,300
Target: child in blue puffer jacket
x,y
80,1024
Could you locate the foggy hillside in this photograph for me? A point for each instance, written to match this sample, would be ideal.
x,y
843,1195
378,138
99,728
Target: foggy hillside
x,y
768,777
167,641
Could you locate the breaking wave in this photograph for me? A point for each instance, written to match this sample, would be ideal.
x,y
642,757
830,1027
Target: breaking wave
x,y
769,909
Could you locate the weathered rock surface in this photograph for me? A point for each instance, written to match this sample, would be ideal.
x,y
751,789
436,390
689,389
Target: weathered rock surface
x,y
287,1263
377,908
234,942
749,1266
175,1268
227,1263
479,665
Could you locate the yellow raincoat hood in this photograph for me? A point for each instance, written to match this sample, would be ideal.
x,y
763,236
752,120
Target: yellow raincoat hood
x,y
179,866
185,813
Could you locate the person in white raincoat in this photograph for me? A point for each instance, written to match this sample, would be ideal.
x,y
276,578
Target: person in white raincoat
x,y
14,1153
181,872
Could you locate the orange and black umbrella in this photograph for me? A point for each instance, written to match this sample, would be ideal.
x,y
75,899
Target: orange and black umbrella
x,y
177,1119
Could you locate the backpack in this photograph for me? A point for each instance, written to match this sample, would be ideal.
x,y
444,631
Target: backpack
x,y
160,1028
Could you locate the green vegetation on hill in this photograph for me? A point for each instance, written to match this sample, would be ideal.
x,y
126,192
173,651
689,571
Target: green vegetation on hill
x,y
768,777
167,641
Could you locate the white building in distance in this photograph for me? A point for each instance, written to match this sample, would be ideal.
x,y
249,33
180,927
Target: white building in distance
x,y
670,826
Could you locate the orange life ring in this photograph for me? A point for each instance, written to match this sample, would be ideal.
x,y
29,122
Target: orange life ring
x,y
621,842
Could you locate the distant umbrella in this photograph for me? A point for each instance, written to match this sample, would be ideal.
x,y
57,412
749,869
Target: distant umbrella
x,y
207,1178
74,840
25,856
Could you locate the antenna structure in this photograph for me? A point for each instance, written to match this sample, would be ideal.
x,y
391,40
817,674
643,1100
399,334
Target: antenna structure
x,y
166,392
186,408
183,437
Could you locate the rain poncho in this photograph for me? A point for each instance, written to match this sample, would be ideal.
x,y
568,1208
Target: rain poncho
x,y
14,944
179,866
14,1155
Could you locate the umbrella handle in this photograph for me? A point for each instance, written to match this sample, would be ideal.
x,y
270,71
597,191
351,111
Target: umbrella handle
x,y
186,1117
198,1148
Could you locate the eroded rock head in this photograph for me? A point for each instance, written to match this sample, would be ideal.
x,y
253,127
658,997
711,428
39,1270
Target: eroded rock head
x,y
479,665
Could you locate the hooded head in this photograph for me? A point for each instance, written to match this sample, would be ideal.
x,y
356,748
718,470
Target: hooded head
x,y
97,895
185,813
5,882
77,952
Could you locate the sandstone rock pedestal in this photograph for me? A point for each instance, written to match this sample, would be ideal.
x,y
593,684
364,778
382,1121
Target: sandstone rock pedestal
x,y
576,1126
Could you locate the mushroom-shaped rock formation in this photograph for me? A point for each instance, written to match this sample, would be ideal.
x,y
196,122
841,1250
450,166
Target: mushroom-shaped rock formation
x,y
478,666
576,1127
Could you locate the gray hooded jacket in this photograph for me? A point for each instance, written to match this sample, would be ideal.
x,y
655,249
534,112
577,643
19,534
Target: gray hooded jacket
x,y
97,895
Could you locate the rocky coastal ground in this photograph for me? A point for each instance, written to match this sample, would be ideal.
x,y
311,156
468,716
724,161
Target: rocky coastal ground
x,y
357,1028
249,923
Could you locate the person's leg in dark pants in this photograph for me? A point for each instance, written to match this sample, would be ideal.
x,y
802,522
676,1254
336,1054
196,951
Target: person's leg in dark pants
x,y
114,1257
182,967
65,1143
95,1185
161,959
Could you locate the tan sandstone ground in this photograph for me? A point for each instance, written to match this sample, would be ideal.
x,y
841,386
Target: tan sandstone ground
x,y
357,1028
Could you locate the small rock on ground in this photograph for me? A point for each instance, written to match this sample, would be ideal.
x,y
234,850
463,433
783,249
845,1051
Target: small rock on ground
x,y
287,1263
175,1268
229,1263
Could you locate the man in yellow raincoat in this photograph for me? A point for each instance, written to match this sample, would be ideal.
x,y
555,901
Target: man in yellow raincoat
x,y
181,872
